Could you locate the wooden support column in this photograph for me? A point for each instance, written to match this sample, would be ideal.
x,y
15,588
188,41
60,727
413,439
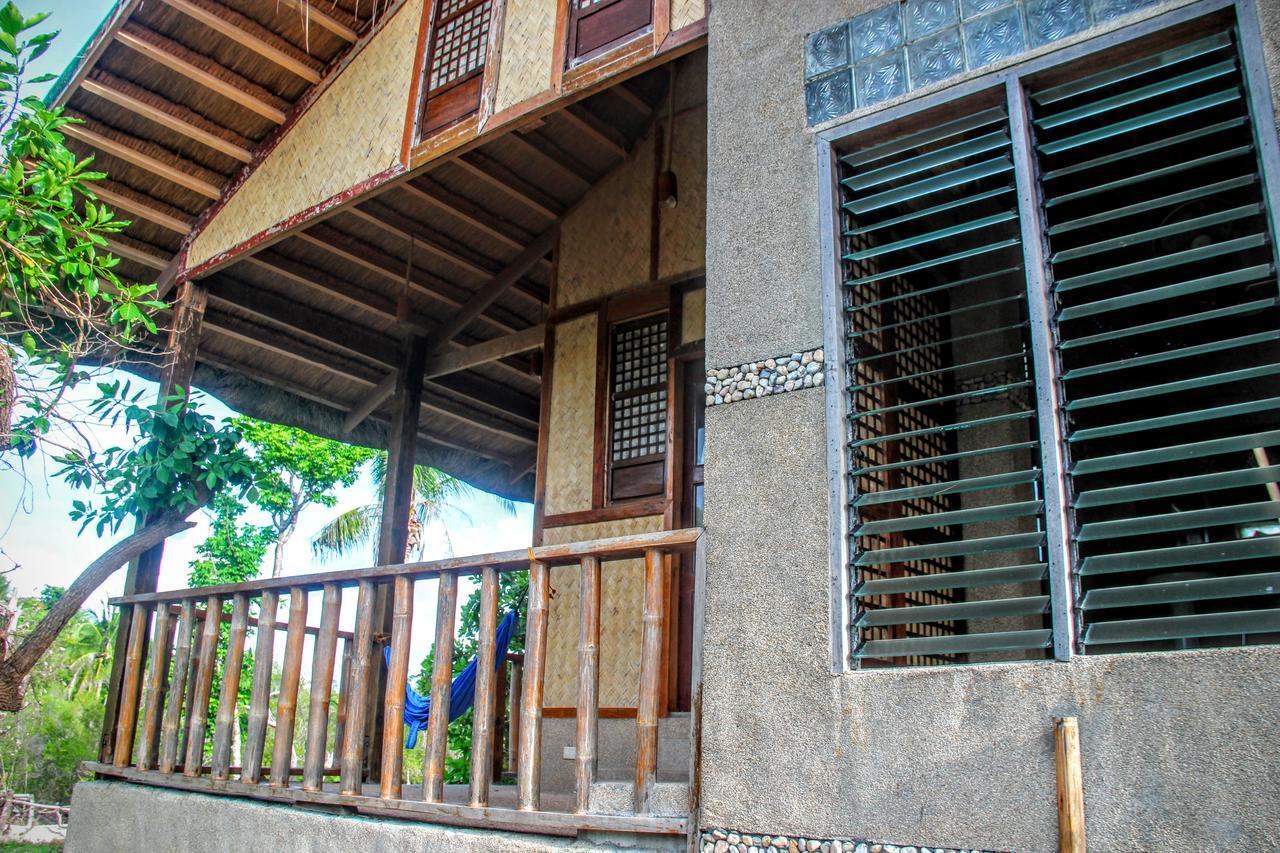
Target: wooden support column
x,y
529,773
588,678
650,673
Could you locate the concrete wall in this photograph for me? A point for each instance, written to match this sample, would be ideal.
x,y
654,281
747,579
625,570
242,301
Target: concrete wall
x,y
1179,748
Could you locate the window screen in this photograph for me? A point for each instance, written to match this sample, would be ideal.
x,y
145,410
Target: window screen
x,y
638,408
455,68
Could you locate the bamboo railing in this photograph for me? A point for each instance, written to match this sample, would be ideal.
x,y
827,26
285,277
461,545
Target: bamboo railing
x,y
167,691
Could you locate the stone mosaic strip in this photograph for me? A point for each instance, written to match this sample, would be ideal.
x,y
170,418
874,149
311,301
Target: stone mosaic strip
x,y
728,841
778,375
908,44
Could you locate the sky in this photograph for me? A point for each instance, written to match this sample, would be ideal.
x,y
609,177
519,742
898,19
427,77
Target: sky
x,y
40,545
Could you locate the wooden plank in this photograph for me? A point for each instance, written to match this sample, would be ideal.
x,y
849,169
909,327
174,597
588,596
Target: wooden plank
x,y
397,681
586,125
156,670
177,688
1071,834
441,690
161,50
493,173
129,252
344,691
251,36
322,660
588,679
131,155
198,709
164,114
352,744
465,358
367,406
232,664
127,204
545,150
264,648
467,212
313,12
139,619
290,677
482,716
650,674
528,776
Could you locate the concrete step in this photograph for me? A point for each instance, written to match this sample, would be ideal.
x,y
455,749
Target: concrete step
x,y
670,799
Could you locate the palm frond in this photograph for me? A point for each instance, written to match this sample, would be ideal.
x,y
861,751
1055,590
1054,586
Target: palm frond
x,y
347,532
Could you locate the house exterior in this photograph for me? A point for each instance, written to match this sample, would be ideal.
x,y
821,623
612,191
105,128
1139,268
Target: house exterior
x,y
894,383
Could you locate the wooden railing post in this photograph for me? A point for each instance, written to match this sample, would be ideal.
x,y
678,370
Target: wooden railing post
x,y
441,690
157,668
199,709
352,745
344,694
290,676
397,680
588,679
1071,830
177,687
482,715
513,715
264,648
131,683
650,673
528,778
322,661
232,664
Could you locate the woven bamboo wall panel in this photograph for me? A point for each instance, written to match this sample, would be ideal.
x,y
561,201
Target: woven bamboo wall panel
x,y
571,428
604,243
686,12
684,228
351,133
693,316
528,35
621,618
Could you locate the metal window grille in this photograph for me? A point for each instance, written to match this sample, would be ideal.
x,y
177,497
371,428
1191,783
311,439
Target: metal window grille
x,y
639,399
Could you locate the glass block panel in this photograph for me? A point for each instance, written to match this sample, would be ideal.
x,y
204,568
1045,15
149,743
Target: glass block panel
x,y
1105,10
936,58
826,50
829,97
880,78
929,16
975,8
994,37
876,32
1050,20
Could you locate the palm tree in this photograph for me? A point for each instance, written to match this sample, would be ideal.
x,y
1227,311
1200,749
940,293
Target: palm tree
x,y
436,497
88,651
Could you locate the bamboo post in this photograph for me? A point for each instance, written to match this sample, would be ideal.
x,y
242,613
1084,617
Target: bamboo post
x,y
177,688
227,711
1071,836
290,676
499,713
351,746
126,722
203,686
193,664
528,778
152,754
650,672
482,716
588,679
397,680
260,694
155,688
322,659
344,694
513,715
441,690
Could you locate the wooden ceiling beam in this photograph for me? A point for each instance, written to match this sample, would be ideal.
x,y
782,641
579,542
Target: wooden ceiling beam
x,y
465,358
163,113
132,250
203,72
589,126
250,35
547,152
341,26
498,176
628,96
146,162
466,211
125,201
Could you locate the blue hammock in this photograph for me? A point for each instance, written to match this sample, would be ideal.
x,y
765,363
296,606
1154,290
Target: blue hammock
x,y
417,708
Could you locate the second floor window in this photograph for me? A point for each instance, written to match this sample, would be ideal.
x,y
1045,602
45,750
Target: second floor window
x,y
638,409
455,61
597,25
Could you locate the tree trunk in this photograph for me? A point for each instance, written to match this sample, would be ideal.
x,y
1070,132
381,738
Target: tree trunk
x,y
15,668
277,561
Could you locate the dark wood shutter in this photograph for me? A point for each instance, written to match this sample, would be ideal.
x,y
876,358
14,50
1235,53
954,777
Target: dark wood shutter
x,y
455,63
596,25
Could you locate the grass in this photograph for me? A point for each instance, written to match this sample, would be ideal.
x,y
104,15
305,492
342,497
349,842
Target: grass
x,y
24,847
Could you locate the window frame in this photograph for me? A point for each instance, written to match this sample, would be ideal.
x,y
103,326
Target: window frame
x,y
1063,597
425,93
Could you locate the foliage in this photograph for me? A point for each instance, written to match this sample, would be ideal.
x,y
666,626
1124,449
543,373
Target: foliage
x,y
232,552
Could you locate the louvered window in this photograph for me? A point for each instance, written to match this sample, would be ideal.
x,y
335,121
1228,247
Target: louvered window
x,y
455,61
1062,344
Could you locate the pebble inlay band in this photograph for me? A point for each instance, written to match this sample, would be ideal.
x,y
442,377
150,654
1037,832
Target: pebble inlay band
x,y
787,372
727,841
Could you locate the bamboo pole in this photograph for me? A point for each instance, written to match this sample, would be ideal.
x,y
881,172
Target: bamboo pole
x,y
650,672
441,690
344,693
177,688
232,664
322,660
1071,836
482,716
156,672
127,721
528,778
260,694
397,680
513,715
193,664
199,709
588,679
290,676
351,746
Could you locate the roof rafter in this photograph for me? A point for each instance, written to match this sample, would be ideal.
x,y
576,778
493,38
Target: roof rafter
x,y
124,200
501,178
343,29
250,35
148,163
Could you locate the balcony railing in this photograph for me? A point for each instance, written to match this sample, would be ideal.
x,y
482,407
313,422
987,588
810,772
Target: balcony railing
x,y
172,684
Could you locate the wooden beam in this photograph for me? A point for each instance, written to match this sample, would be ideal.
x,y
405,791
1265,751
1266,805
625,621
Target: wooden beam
x,y
251,36
401,453
162,113
466,211
1071,826
146,162
313,12
375,398
129,252
587,125
498,176
465,358
631,99
126,201
224,82
548,152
